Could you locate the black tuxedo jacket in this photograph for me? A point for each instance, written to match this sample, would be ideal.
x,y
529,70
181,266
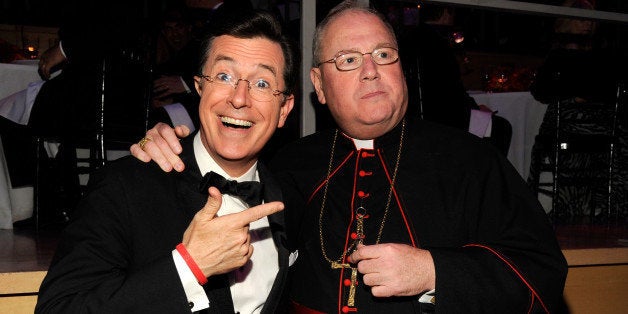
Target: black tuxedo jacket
x,y
116,256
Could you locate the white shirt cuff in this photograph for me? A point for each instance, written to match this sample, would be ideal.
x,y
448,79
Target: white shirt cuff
x,y
187,88
62,51
193,290
179,115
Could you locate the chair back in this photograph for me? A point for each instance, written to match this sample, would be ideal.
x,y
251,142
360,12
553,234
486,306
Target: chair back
x,y
114,118
585,143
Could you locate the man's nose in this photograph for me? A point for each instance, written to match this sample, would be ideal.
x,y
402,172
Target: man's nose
x,y
369,68
240,94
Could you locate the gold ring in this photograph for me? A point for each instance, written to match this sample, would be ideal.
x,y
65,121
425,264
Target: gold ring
x,y
143,141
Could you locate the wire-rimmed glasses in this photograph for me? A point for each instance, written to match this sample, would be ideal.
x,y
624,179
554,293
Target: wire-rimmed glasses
x,y
351,60
259,89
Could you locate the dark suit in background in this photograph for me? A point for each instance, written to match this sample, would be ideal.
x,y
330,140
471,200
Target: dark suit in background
x,y
435,86
116,32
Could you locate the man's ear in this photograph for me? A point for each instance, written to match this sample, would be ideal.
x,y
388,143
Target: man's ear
x,y
315,77
285,109
197,85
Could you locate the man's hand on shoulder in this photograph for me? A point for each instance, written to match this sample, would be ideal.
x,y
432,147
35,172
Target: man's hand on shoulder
x,y
161,144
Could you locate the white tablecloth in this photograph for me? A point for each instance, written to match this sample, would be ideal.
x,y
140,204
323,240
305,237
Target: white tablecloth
x,y
525,114
15,77
15,204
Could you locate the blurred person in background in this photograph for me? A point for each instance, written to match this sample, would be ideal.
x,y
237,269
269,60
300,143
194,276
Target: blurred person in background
x,y
577,67
176,63
66,107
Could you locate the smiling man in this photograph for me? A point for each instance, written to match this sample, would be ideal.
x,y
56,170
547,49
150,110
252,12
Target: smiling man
x,y
143,241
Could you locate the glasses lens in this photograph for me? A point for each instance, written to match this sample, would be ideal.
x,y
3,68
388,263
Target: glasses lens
x,y
349,61
259,90
353,60
385,55
261,94
221,83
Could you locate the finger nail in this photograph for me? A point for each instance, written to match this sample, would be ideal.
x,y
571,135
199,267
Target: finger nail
x,y
178,167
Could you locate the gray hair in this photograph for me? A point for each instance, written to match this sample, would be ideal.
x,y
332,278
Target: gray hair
x,y
335,12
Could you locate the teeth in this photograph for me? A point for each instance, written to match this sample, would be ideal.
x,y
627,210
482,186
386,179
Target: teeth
x,y
237,122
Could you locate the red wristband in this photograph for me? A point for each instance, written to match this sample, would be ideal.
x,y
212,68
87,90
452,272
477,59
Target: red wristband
x,y
198,273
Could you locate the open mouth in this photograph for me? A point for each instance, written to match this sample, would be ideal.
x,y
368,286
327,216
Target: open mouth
x,y
235,123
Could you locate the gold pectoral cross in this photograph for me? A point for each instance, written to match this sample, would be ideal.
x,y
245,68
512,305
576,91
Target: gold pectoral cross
x,y
354,280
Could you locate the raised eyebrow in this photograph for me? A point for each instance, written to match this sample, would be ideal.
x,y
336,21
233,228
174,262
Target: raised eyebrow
x,y
223,58
270,68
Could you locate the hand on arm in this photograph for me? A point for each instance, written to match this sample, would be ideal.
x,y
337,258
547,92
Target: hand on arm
x,y
163,146
393,269
219,245
49,60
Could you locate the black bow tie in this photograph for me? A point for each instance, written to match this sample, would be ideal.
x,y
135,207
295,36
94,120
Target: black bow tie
x,y
248,191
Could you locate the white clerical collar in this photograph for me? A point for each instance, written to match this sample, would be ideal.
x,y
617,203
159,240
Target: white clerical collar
x,y
362,144
206,163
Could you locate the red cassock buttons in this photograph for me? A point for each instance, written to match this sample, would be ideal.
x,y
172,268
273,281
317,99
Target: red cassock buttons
x,y
347,282
363,173
366,154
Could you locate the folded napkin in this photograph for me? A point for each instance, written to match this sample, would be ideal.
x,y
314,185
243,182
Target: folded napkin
x,y
178,115
480,123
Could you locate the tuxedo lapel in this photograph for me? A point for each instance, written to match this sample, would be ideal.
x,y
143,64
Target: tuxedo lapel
x,y
189,180
272,192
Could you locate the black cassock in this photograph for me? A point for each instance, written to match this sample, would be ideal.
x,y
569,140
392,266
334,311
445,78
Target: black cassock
x,y
493,246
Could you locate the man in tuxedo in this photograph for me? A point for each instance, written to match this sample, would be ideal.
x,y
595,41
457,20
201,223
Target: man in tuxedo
x,y
142,241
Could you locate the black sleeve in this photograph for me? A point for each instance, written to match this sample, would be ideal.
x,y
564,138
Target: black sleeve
x,y
96,268
512,261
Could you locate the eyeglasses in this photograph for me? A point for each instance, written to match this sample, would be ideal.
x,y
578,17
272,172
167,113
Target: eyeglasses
x,y
259,89
351,60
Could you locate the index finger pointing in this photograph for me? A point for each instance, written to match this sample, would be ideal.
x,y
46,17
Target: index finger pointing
x,y
258,212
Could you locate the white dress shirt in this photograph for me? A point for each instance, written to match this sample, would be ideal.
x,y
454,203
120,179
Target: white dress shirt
x,y
250,284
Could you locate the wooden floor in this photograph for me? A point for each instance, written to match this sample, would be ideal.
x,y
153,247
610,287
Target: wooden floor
x,y
597,255
586,236
27,250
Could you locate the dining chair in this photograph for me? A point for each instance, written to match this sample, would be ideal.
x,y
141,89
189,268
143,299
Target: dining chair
x,y
578,154
121,117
